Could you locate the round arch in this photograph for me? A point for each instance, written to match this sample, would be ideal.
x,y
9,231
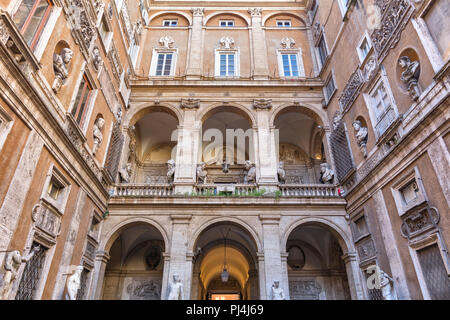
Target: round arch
x,y
318,116
254,235
231,107
140,111
340,234
300,17
114,233
153,16
212,15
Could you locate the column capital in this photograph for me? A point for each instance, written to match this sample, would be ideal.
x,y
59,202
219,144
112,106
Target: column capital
x,y
269,219
102,256
255,12
181,218
197,12
349,257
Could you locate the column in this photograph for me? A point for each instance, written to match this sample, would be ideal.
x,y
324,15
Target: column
x,y
187,153
440,159
166,258
285,277
194,66
390,244
261,276
353,275
261,69
266,151
178,253
18,189
101,260
272,254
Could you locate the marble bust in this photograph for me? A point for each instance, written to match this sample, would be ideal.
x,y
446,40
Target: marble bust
x,y
277,292
410,75
326,173
251,172
60,67
98,134
73,284
125,173
170,170
281,172
175,289
201,172
361,134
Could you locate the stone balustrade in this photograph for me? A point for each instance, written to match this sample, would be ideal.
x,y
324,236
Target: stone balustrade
x,y
143,190
309,190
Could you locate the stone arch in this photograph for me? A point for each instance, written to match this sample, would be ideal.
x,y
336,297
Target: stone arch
x,y
112,235
221,106
252,232
138,112
298,16
183,14
318,116
207,18
341,236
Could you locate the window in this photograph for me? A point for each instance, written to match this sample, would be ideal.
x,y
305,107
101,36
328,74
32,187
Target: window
x,y
364,48
283,23
226,23
290,65
380,100
81,100
54,188
170,23
434,272
227,64
410,192
322,51
164,64
330,87
31,18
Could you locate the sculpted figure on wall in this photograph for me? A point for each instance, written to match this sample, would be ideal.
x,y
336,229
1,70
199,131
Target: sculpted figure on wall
x,y
175,289
96,58
387,289
12,264
336,120
60,67
98,134
326,173
361,135
125,174
281,172
410,76
201,172
73,284
170,170
277,292
227,42
250,177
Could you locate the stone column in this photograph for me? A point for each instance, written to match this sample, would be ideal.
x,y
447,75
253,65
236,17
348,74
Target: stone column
x,y
272,254
187,153
178,252
266,151
390,244
195,287
253,283
166,257
194,65
98,278
18,189
285,276
261,276
353,275
261,69
440,156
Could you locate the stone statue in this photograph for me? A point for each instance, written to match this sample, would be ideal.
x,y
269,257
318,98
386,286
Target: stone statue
x,y
12,264
175,289
410,75
277,292
139,27
98,134
96,59
326,174
387,288
281,173
336,120
250,177
60,67
73,284
201,172
170,171
119,115
125,174
361,135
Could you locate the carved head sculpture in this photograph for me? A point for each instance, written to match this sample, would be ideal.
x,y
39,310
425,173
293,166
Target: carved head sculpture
x,y
66,55
324,167
276,283
248,164
171,163
79,269
336,120
404,61
281,165
176,278
357,125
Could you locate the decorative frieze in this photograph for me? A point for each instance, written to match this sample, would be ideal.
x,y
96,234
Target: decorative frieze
x,y
114,59
255,12
287,43
262,104
366,249
190,103
197,12
304,290
144,289
351,90
419,220
46,219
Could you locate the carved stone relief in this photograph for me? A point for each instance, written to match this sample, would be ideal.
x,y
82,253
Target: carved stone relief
x,y
304,289
46,219
166,42
60,67
287,43
190,103
410,76
144,289
262,104
351,89
226,42
98,134
96,58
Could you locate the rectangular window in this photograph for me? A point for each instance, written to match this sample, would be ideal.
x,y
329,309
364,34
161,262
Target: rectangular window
x,y
226,23
323,53
363,49
329,88
290,65
31,18
410,192
283,23
54,189
170,23
380,101
81,100
103,30
164,64
434,272
227,65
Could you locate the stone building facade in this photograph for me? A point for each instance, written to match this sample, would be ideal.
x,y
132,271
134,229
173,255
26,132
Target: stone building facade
x,y
230,145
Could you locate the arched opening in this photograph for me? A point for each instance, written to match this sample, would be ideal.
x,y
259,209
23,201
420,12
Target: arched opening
x,y
300,144
135,268
227,137
153,141
225,245
316,270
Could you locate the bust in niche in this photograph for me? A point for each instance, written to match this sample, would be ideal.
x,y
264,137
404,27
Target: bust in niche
x,y
98,134
60,67
410,76
326,174
361,135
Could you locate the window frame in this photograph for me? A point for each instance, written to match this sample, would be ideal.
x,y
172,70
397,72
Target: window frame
x,y
300,65
284,23
87,83
54,174
366,38
344,6
319,56
227,21
328,96
154,62
170,21
218,53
